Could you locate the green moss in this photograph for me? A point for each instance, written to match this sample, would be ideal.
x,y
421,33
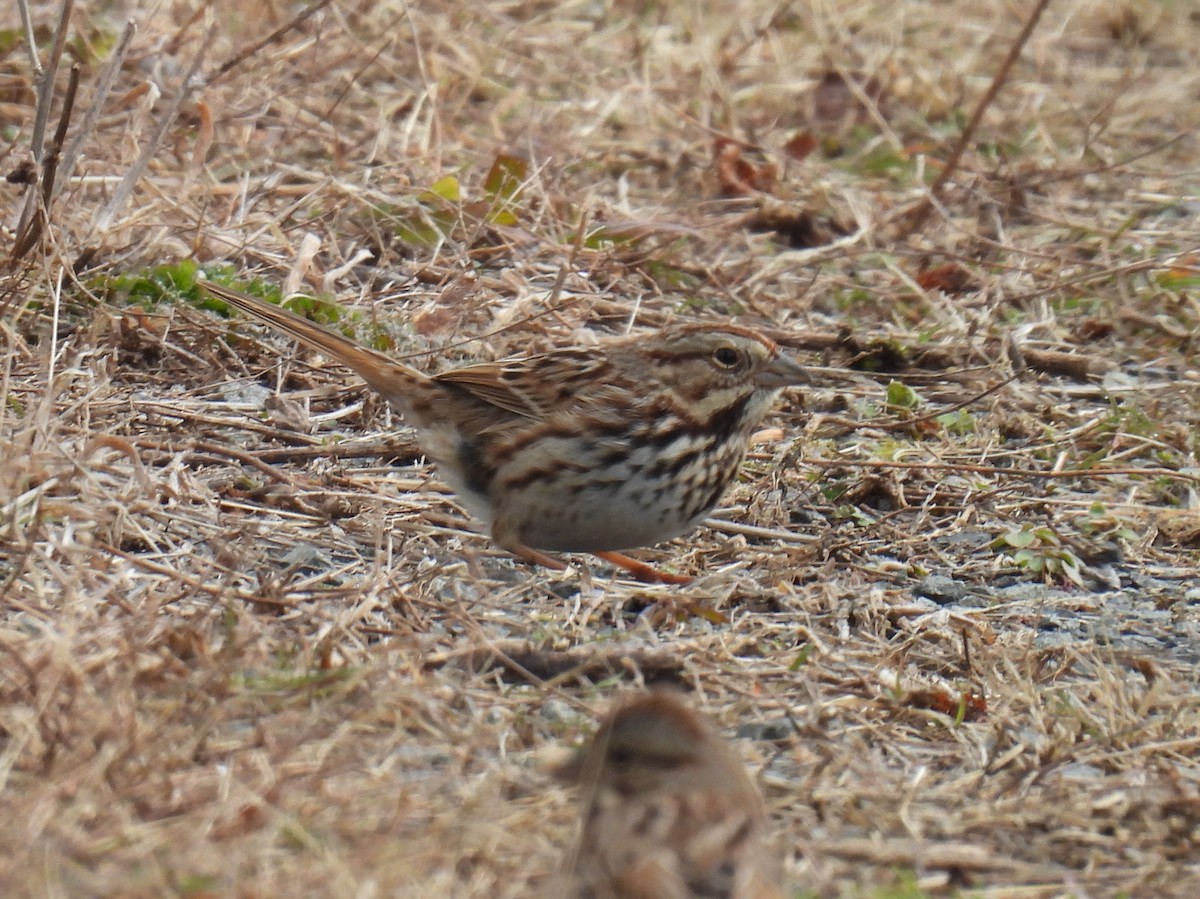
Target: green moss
x,y
175,283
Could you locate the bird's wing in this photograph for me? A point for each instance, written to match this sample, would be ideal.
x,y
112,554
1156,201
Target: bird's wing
x,y
535,386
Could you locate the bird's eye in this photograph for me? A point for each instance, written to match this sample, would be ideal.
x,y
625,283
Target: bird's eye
x,y
726,357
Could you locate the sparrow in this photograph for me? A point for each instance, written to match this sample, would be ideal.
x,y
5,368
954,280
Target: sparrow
x,y
668,811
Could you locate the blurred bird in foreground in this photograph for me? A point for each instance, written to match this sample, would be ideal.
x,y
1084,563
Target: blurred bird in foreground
x,y
668,811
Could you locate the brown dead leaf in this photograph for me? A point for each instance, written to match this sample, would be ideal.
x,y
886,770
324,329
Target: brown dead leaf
x,y
131,96
1093,329
435,320
800,145
737,176
950,277
970,703
205,131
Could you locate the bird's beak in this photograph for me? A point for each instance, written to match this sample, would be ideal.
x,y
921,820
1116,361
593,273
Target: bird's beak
x,y
782,371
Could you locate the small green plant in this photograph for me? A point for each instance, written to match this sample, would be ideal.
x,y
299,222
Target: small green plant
x,y
1040,550
442,207
901,396
905,887
846,512
882,160
149,287
10,38
1101,524
1178,278
610,234
197,884
890,449
958,422
502,186
89,49
434,215
901,399
848,302
1088,304
176,281
1126,417
282,684
671,277
803,657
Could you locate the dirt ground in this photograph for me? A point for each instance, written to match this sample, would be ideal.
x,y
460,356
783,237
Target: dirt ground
x,y
949,615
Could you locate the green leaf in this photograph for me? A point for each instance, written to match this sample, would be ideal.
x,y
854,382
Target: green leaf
x,y
1047,536
700,610
1071,568
316,310
420,233
1027,558
846,512
1178,279
198,884
432,219
10,38
505,177
604,237
446,188
901,396
171,282
958,422
503,186
1020,539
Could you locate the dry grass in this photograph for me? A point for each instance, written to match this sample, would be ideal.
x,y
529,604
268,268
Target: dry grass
x,y
248,654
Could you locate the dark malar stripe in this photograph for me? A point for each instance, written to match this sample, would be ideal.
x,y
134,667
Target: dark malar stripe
x,y
720,426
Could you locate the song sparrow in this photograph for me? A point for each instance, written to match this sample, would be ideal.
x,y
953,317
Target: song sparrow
x,y
668,811
593,449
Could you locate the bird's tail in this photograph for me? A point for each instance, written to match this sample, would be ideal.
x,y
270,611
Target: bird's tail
x,y
391,379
